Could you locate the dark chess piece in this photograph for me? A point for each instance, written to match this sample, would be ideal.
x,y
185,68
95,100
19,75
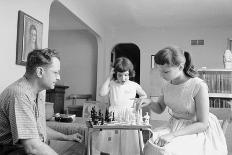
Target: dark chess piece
x,y
102,120
113,119
94,116
107,116
99,115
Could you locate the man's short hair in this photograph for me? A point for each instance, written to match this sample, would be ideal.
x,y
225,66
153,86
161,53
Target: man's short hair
x,y
40,57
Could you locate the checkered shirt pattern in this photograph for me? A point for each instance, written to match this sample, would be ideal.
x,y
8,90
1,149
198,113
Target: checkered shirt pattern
x,y
20,117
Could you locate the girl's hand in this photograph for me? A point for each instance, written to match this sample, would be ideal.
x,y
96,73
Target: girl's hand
x,y
164,139
111,73
137,103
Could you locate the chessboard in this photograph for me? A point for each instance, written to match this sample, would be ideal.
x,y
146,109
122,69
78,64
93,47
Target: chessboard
x,y
98,121
121,126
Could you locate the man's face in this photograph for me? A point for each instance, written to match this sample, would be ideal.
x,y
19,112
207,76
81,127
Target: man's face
x,y
51,74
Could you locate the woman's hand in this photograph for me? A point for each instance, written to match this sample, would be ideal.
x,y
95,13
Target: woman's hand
x,y
164,139
75,137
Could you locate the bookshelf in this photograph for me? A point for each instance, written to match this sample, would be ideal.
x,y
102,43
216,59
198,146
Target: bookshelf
x,y
219,82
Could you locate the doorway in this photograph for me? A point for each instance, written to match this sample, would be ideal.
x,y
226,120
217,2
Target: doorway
x,y
130,51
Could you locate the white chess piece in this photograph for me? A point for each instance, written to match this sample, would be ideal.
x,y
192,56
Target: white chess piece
x,y
147,119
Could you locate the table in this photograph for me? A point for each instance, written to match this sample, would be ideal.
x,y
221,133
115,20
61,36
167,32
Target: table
x,y
94,128
79,125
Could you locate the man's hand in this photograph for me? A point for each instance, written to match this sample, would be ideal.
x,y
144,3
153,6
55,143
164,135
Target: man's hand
x,y
75,137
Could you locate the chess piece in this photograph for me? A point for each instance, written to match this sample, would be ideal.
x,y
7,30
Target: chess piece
x,y
102,120
113,119
138,117
107,116
146,119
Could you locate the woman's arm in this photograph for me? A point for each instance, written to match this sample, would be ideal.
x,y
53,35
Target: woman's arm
x,y
158,107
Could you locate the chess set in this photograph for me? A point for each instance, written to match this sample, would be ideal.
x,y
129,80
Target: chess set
x,y
98,120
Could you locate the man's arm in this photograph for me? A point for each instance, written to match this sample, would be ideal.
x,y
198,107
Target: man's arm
x,y
36,147
55,135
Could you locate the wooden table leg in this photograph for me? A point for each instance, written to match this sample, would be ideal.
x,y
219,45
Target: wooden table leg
x,y
88,142
141,144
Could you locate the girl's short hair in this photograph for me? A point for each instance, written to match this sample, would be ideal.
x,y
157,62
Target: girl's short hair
x,y
123,64
174,56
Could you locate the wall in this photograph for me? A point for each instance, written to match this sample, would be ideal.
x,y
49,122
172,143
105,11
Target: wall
x,y
78,51
8,30
38,9
150,41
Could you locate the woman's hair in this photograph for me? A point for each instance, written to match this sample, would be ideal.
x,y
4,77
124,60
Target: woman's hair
x,y
40,57
175,56
123,64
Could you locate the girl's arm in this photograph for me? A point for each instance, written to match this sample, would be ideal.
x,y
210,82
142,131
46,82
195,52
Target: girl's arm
x,y
105,88
141,92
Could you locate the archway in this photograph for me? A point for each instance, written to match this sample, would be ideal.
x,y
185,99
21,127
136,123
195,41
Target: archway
x,y
132,52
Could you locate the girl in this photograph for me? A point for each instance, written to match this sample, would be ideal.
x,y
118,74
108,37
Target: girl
x,y
191,129
121,92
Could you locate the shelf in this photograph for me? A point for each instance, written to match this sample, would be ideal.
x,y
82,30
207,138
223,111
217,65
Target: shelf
x,y
214,70
220,95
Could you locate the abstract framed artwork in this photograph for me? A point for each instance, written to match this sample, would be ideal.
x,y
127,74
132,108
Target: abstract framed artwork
x,y
29,36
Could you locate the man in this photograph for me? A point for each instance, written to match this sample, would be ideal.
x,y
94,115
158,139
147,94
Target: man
x,y
22,122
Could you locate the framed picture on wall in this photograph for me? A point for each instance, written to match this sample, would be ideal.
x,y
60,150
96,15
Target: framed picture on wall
x,y
29,36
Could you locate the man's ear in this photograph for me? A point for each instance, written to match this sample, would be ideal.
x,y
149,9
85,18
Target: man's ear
x,y
39,72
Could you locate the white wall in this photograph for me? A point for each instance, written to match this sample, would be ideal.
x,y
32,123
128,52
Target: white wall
x,y
78,51
8,30
151,40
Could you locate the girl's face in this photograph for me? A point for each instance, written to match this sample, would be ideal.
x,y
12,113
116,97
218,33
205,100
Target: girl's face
x,y
168,72
123,77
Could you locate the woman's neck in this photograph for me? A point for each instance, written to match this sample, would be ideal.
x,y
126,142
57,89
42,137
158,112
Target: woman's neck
x,y
179,80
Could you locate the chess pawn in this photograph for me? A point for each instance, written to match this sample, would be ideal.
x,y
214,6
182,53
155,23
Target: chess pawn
x,y
138,116
146,119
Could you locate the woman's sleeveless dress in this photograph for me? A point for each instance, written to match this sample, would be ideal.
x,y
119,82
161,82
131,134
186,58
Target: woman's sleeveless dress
x,y
180,98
